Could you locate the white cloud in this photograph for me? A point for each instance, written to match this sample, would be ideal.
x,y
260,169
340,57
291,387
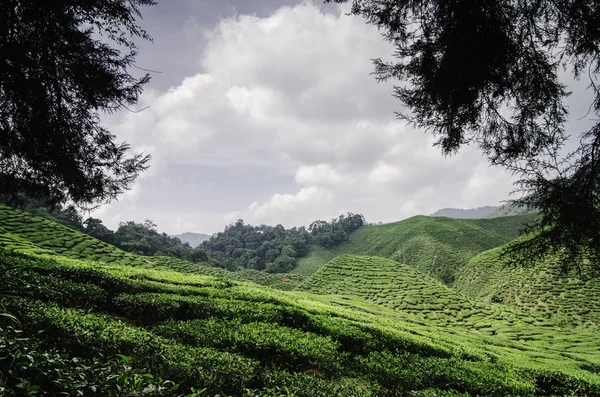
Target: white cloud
x,y
385,174
309,204
320,174
480,188
292,93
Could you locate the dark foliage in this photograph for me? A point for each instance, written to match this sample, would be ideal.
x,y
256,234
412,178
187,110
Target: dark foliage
x,y
486,72
258,247
144,239
274,248
330,234
58,71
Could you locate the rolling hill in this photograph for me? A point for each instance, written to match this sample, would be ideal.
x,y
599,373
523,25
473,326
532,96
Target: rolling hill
x,y
360,326
438,246
406,290
22,231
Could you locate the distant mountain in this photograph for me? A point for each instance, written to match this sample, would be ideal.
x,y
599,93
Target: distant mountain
x,y
193,239
471,213
509,209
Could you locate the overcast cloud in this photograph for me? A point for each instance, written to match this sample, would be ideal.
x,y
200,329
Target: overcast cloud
x,y
270,114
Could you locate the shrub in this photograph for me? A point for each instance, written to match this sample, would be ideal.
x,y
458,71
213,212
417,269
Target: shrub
x,y
91,335
270,343
27,368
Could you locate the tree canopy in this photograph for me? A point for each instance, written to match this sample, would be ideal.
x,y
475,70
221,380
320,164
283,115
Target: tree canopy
x,y
62,64
275,248
144,239
487,72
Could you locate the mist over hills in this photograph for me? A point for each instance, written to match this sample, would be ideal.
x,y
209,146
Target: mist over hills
x,y
471,213
483,212
193,239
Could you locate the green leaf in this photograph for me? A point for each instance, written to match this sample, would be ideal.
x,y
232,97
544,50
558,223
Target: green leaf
x,y
123,358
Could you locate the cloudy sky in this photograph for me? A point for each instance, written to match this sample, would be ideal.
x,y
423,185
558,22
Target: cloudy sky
x,y
265,110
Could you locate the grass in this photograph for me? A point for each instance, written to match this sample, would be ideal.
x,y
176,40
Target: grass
x,y
438,246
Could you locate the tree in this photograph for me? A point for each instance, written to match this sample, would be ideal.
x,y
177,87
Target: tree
x,y
70,218
96,229
283,264
58,71
486,72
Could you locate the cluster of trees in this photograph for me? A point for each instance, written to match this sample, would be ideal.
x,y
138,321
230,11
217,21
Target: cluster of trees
x,y
330,234
274,248
144,239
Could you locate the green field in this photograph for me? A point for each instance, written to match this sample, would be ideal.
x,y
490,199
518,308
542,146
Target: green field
x,y
359,326
438,246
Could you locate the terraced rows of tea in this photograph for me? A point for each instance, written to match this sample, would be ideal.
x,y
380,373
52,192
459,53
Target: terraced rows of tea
x,y
362,326
21,231
241,339
542,290
406,290
438,246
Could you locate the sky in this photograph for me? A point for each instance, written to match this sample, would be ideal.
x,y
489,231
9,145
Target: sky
x,y
266,111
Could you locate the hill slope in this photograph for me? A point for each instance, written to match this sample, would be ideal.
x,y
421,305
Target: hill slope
x,y
127,329
406,290
542,290
22,231
226,337
438,246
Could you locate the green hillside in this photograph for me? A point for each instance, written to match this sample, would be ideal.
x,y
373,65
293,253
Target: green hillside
x,y
408,291
96,321
438,246
542,290
237,339
21,231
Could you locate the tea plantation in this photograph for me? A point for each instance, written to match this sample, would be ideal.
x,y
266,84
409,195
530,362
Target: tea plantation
x,y
438,246
22,231
95,321
541,290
